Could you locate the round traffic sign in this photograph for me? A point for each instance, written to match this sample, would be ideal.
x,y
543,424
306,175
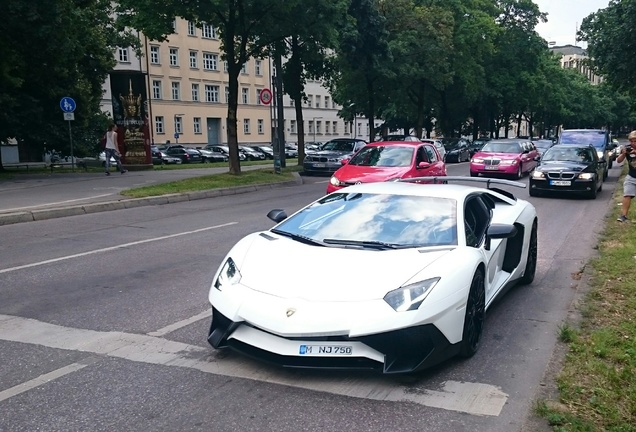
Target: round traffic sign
x,y
67,104
266,96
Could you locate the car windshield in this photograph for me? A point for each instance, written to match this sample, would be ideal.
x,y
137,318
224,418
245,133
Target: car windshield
x,y
596,138
501,147
450,144
339,146
383,156
398,220
568,154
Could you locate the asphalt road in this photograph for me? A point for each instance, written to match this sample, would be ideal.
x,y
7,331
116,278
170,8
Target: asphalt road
x,y
104,316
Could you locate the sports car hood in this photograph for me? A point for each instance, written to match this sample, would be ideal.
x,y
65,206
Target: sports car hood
x,y
561,166
368,174
286,268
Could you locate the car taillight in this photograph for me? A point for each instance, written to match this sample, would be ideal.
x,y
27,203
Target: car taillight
x,y
187,156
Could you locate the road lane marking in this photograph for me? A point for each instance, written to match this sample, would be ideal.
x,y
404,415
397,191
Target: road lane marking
x,y
111,248
44,378
472,398
180,324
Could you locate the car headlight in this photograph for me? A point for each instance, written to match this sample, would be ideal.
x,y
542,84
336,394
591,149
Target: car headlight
x,y
586,176
477,160
508,162
334,160
410,297
600,154
335,182
228,276
538,174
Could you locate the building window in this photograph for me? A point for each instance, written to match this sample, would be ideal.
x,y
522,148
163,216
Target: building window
x,y
318,127
310,129
177,125
195,92
310,100
174,25
176,90
196,124
258,97
224,65
192,28
210,61
244,68
246,126
211,93
291,102
123,55
227,94
261,126
159,124
257,67
359,129
194,59
292,126
326,128
154,54
206,31
245,95
174,56
156,89
326,101
334,128
317,101
346,128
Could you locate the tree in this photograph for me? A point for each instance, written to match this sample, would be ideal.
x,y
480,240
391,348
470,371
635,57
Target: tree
x,y
611,39
75,41
247,29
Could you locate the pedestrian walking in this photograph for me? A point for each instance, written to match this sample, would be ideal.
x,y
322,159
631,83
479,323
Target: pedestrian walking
x,y
629,185
111,149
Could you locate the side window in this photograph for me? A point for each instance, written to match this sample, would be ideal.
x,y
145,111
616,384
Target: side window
x,y
421,155
430,152
476,221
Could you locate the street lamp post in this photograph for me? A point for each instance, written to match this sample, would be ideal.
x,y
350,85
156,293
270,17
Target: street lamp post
x,y
177,131
313,120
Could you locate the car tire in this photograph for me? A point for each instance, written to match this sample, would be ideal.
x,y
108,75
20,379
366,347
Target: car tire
x,y
475,315
531,262
519,172
605,174
534,193
594,192
474,174
611,163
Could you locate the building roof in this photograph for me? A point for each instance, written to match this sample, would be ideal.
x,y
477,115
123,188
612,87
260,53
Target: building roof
x,y
569,50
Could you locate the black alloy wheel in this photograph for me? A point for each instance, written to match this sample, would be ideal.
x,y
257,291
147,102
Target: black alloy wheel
x,y
531,263
475,315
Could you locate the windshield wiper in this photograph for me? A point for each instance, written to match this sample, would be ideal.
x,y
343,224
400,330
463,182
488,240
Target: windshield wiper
x,y
366,244
298,237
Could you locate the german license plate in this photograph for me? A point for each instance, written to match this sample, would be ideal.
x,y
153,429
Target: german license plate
x,y
492,167
319,165
325,350
561,182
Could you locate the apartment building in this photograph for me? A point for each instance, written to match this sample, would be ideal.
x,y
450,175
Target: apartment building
x,y
574,57
320,117
187,86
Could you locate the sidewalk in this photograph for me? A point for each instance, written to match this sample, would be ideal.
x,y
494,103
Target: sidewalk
x,y
28,198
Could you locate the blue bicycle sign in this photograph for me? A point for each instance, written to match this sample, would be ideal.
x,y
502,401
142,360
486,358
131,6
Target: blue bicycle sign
x,y
67,104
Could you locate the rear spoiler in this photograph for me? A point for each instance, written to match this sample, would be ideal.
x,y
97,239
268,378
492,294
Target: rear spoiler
x,y
487,181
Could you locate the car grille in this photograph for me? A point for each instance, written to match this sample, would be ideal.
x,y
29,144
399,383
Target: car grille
x,y
491,162
315,159
558,175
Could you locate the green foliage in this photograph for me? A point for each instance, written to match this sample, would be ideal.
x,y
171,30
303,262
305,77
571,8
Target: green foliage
x,y
49,50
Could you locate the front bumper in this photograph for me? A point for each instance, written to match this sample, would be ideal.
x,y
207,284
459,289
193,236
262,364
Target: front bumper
x,y
574,186
321,167
397,351
493,169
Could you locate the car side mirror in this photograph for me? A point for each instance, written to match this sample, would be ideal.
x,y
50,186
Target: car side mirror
x,y
602,161
344,161
537,158
423,165
277,215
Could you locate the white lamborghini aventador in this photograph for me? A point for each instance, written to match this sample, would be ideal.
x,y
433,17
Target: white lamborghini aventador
x,y
407,273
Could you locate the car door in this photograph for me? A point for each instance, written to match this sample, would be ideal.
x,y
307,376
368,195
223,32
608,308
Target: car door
x,y
438,167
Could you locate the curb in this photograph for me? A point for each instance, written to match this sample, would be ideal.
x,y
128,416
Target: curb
x,y
128,203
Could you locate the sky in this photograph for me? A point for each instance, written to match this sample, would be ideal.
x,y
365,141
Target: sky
x,y
564,18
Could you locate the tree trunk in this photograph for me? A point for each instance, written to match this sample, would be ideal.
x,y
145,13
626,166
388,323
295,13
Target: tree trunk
x,y
300,124
518,124
371,108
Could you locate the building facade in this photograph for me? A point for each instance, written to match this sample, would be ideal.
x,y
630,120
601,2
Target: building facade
x,y
574,57
188,85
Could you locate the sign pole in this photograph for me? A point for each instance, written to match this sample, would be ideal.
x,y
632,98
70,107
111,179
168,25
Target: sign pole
x,y
70,138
